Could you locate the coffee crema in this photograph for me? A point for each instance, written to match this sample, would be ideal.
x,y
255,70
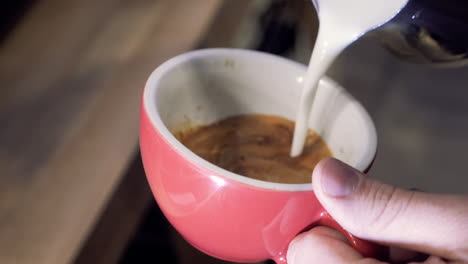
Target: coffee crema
x,y
256,146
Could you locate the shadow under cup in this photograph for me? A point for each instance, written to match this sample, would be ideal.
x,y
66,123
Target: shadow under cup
x,y
226,215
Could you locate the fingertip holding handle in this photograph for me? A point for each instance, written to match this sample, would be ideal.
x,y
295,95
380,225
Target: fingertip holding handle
x,y
366,248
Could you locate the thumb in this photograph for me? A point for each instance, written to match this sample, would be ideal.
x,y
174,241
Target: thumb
x,y
369,209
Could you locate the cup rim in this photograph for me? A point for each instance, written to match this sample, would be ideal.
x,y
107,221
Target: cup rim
x,y
151,109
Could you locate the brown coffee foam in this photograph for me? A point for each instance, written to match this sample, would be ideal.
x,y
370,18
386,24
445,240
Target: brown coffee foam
x,y
256,146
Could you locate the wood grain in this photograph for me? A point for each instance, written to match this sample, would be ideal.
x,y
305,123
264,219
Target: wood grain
x,y
119,221
71,77
129,202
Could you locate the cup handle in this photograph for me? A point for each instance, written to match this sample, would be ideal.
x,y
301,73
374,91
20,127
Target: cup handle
x,y
366,248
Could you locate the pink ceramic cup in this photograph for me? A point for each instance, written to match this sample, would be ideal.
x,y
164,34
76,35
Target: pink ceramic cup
x,y
224,214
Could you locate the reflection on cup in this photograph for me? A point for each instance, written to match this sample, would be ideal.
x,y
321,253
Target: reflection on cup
x,y
221,213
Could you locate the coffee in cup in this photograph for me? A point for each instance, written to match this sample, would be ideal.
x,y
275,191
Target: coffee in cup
x,y
256,146
221,213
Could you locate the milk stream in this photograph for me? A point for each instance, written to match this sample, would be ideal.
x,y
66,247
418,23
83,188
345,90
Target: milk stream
x,y
341,23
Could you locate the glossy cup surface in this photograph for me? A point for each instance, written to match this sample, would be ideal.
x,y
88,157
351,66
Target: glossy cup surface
x,y
221,213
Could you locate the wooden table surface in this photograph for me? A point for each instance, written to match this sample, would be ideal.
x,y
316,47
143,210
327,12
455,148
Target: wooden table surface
x,y
71,75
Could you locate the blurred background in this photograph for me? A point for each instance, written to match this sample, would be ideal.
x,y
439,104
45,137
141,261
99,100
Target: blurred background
x,y
72,187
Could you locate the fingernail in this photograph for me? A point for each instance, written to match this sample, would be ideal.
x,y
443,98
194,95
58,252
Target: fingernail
x,y
337,179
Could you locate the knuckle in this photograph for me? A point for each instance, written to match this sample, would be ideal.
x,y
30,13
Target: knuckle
x,y
303,246
295,248
386,204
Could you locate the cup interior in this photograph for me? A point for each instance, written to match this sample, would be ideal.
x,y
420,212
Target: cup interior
x,y
205,86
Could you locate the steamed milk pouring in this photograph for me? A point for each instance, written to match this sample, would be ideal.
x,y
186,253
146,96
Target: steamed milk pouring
x,y
341,23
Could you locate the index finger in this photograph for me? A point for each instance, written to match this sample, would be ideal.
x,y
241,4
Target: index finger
x,y
324,245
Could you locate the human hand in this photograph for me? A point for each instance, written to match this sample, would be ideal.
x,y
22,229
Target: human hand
x,y
407,221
